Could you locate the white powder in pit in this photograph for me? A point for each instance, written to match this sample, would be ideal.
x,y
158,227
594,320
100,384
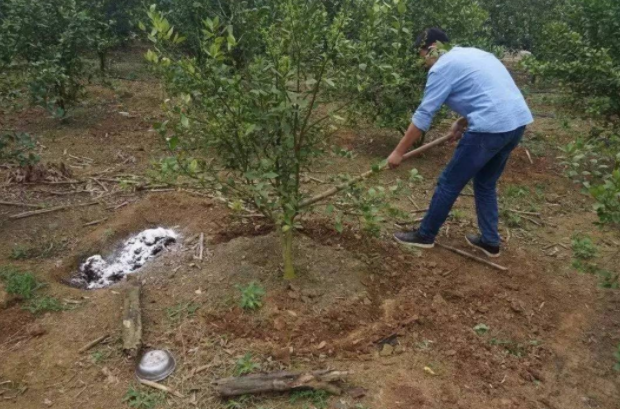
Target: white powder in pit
x,y
97,272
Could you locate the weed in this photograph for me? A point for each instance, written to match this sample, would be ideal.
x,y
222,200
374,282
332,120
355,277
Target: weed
x,y
617,356
514,348
245,365
21,284
240,403
251,296
512,219
317,398
182,310
138,399
481,329
108,233
583,248
20,252
565,123
457,215
44,304
609,279
342,152
415,176
98,357
45,250
515,192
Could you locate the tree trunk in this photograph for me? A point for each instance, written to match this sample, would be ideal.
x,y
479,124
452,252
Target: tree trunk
x,y
102,61
287,254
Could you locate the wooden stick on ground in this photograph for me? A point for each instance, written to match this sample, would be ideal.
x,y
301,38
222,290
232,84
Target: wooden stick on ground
x,y
93,343
160,387
472,257
132,318
522,212
345,185
527,152
21,205
50,210
94,222
280,382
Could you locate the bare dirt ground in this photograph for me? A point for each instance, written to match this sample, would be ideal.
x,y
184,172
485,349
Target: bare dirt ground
x,y
402,321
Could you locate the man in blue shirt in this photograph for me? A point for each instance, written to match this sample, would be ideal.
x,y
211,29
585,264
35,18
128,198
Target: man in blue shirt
x,y
477,86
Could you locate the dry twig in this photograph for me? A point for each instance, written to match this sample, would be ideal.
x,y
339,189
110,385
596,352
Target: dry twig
x,y
161,387
50,210
93,343
22,205
472,257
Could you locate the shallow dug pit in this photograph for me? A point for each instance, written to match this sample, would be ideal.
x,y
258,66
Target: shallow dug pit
x,y
99,272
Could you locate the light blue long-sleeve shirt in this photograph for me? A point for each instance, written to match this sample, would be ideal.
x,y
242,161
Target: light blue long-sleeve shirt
x,y
477,86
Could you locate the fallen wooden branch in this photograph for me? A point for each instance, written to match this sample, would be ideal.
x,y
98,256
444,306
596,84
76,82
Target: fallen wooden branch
x,y
93,343
95,222
51,210
22,205
522,212
160,387
280,382
527,152
472,257
345,185
531,220
132,318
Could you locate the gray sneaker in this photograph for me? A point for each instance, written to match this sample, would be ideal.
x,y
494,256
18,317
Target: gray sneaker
x,y
412,238
476,242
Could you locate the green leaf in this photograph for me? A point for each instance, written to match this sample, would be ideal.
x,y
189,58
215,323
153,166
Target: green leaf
x,y
173,142
184,121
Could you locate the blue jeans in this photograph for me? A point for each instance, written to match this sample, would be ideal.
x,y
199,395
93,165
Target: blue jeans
x,y
483,157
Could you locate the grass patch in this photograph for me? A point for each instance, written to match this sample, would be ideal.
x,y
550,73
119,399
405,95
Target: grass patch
x,y
182,311
139,399
21,284
583,248
318,399
44,304
98,357
48,249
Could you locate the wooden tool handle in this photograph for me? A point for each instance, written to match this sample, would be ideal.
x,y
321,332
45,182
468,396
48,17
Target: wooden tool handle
x,y
330,192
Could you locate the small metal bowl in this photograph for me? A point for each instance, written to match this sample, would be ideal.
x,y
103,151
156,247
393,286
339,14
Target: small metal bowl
x,y
155,365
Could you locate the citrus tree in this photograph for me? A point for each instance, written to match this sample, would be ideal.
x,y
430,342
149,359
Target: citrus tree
x,y
261,117
581,53
391,82
45,45
42,40
519,24
114,23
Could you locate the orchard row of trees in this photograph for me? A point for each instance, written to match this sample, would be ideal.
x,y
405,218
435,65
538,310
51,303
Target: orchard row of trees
x,y
55,46
263,83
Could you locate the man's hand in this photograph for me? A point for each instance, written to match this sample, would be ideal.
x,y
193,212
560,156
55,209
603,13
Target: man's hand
x,y
413,134
458,129
394,160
